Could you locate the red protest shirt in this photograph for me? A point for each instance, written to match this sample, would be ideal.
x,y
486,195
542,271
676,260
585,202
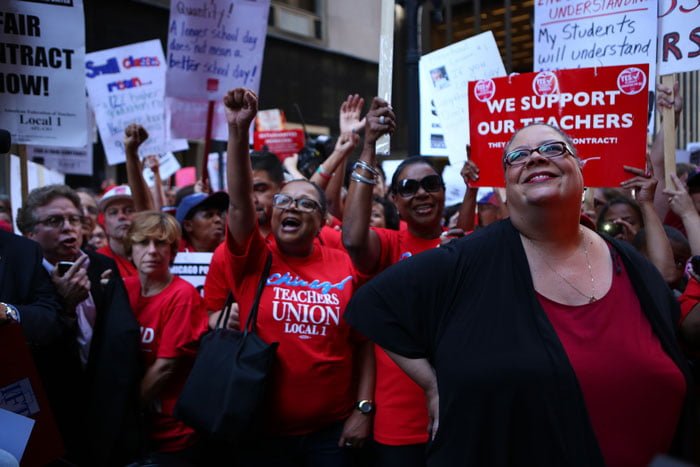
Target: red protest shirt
x,y
401,414
125,266
216,289
690,298
171,324
302,308
632,389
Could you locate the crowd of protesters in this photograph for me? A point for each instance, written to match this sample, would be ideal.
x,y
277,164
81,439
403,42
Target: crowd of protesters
x,y
533,325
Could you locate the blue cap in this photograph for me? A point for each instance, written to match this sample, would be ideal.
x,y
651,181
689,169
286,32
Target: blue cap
x,y
202,201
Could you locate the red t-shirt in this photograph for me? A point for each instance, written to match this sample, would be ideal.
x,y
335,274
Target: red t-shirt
x,y
125,266
632,389
302,308
401,413
690,298
171,324
215,287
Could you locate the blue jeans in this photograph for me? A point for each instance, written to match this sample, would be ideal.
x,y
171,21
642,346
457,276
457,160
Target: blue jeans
x,y
317,449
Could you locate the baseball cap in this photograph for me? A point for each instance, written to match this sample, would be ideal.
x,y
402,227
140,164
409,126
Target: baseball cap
x,y
113,194
200,201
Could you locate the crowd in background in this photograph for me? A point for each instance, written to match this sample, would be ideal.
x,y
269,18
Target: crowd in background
x,y
114,333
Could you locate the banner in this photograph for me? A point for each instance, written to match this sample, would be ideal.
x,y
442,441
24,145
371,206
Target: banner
x,y
215,46
282,143
76,161
679,36
443,76
592,33
192,267
42,89
603,109
127,85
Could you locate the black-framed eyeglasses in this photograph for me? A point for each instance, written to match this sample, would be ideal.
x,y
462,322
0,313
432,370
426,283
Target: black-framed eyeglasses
x,y
57,221
282,201
549,150
409,187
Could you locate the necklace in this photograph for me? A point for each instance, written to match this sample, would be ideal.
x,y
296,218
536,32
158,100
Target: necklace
x,y
591,298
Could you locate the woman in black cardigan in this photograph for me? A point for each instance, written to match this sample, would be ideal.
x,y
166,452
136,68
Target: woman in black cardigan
x,y
537,341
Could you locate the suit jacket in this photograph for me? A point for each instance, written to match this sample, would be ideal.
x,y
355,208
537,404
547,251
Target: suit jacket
x,y
25,284
97,407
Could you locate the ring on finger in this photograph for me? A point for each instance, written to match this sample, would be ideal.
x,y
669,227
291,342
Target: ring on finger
x,y
381,120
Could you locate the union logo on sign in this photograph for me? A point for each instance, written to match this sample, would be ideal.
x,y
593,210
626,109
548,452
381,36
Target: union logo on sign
x,y
631,81
484,90
545,83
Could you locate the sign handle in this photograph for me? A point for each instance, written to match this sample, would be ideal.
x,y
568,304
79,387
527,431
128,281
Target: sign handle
x,y
23,172
669,128
207,143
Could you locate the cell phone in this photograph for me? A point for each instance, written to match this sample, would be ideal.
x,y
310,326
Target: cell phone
x,y
63,267
611,228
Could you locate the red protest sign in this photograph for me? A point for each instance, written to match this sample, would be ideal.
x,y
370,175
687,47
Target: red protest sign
x,y
603,109
283,143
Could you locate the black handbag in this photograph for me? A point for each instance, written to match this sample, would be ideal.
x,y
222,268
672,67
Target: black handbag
x,y
225,390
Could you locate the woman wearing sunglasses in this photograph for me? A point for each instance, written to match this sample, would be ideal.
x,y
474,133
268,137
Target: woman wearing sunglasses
x,y
537,341
419,194
320,398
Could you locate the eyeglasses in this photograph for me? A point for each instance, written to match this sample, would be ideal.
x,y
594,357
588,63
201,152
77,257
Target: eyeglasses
x,y
409,187
282,201
548,150
57,221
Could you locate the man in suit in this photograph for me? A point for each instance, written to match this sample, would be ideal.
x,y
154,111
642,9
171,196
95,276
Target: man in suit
x,y
92,373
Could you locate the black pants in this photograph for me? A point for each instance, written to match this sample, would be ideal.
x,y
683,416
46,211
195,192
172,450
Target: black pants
x,y
410,455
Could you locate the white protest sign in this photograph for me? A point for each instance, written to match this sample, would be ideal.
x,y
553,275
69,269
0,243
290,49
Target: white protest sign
x,y
76,161
679,36
42,89
37,175
192,267
432,137
448,70
216,166
167,166
214,46
127,85
593,33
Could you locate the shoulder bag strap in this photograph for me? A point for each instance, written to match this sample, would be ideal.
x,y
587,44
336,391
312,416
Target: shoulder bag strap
x,y
225,311
253,315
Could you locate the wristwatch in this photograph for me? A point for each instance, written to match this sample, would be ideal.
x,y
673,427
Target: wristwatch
x,y
8,313
365,407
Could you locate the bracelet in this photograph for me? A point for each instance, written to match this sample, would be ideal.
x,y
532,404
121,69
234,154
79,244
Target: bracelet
x,y
366,166
323,173
355,177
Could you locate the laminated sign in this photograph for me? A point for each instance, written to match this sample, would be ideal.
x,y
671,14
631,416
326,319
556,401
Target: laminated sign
x,y
603,109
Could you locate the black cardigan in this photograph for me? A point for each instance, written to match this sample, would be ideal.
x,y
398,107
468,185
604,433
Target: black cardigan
x,y
508,394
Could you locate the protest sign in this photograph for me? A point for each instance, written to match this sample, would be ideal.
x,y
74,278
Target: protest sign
x,y
167,166
127,85
215,46
42,89
76,161
192,267
679,36
282,143
603,109
444,75
188,119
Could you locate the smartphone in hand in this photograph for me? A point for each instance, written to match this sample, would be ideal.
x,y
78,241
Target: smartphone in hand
x,y
63,267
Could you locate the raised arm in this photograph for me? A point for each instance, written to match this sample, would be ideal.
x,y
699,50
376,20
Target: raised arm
x,y
664,98
151,162
325,175
241,107
658,245
134,136
470,173
362,243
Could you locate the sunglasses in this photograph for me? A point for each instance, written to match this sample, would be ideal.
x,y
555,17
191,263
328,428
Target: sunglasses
x,y
281,201
409,187
548,150
56,222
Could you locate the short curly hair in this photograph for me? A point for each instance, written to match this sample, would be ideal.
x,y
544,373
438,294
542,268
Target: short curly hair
x,y
154,225
26,220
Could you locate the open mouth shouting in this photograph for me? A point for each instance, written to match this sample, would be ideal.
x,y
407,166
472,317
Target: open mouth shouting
x,y
290,224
